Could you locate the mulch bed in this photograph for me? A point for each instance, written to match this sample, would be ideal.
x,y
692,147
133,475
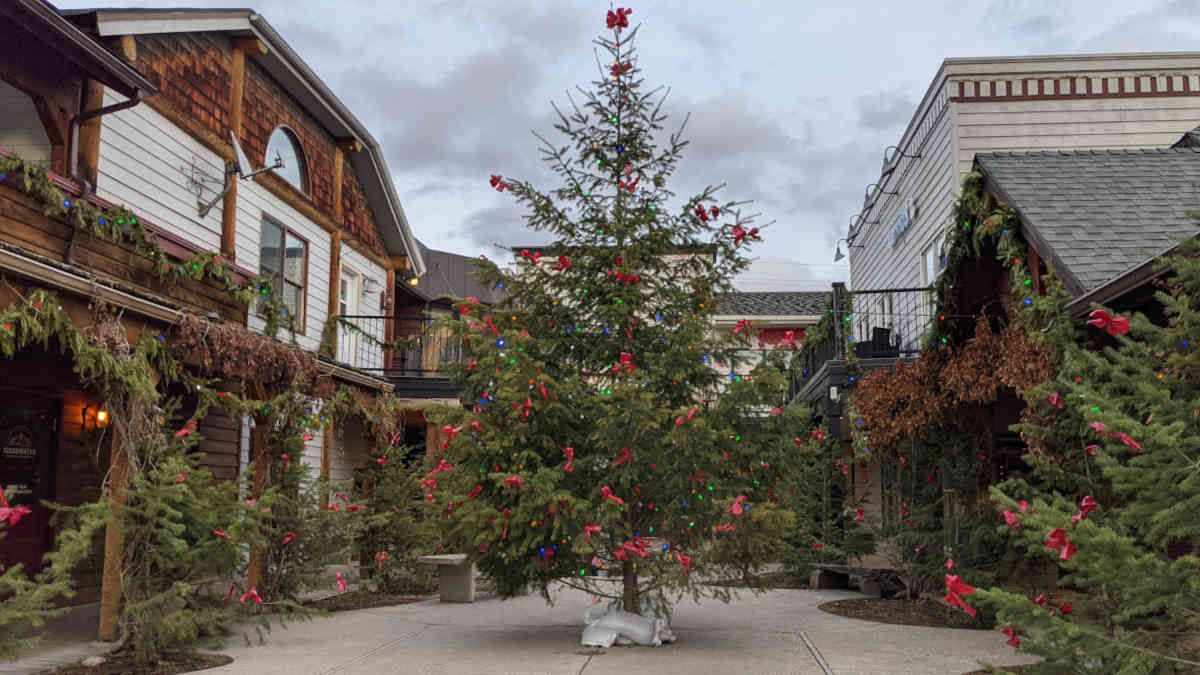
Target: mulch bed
x,y
920,612
124,665
1010,669
781,579
362,600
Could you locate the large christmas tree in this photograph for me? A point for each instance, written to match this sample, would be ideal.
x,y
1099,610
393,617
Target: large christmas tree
x,y
614,435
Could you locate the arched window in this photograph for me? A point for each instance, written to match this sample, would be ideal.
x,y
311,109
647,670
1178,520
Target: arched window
x,y
283,143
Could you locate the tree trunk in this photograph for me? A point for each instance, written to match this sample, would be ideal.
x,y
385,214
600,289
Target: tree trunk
x,y
631,583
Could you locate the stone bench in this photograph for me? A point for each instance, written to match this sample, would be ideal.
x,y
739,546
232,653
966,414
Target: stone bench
x,y
456,579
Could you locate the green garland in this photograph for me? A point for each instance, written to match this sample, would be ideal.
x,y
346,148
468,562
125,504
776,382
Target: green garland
x,y
334,322
120,226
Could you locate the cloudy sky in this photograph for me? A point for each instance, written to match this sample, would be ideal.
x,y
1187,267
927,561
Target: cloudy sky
x,y
792,103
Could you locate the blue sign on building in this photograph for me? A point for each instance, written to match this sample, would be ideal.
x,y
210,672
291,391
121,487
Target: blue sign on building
x,y
905,220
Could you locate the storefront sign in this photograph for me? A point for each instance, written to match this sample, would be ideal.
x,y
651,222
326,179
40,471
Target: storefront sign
x,y
19,446
906,218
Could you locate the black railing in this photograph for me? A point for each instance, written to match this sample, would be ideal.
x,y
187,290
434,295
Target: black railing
x,y
418,346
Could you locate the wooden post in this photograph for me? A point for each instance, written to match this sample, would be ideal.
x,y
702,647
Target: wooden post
x,y
1035,268
326,460
339,157
89,133
335,283
237,89
114,538
126,48
389,308
262,466
433,439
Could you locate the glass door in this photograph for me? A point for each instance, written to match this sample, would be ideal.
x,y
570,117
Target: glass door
x,y
348,297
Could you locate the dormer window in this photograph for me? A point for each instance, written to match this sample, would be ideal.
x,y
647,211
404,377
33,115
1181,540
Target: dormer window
x,y
284,144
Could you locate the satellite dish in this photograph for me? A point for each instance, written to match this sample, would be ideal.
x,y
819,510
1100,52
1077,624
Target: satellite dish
x,y
244,168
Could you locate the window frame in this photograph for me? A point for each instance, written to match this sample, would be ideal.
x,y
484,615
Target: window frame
x,y
305,187
300,322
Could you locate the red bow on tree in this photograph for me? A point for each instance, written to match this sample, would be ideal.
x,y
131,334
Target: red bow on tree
x,y
1057,540
252,594
527,408
475,492
1055,400
428,483
858,515
382,461
563,263
736,507
189,428
1040,600
379,558
221,534
590,529
1010,518
288,538
776,411
491,326
570,453
955,589
14,515
799,443
476,426
632,186
626,456
355,508
950,564
542,388
498,183
606,493
903,461
531,257
1066,608
739,234
182,478
686,561
620,19
620,554
1012,637
1087,505
619,68
287,461
685,418
1099,427
1091,449
818,546
1023,505
788,337
637,548
1114,325
742,324
450,432
514,480
726,527
442,467
1127,440
341,583
818,434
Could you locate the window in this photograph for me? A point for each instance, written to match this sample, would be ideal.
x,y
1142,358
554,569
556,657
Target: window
x,y
348,295
284,257
284,145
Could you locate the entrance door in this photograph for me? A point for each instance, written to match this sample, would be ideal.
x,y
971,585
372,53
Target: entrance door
x,y
348,296
28,431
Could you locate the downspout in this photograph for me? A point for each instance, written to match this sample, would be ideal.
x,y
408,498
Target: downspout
x,y
73,154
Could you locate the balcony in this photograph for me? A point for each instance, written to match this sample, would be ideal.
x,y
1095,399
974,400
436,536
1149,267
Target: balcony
x,y
877,327
417,370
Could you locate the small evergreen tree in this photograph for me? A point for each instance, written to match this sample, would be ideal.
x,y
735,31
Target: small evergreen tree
x,y
612,432
1119,426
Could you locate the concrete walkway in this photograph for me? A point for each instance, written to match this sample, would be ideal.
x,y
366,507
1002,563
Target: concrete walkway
x,y
781,631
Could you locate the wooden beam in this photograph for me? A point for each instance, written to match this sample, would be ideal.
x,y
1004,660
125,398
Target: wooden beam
x,y
1035,267
335,282
349,144
89,132
400,262
114,538
250,45
389,328
259,438
339,156
126,48
237,89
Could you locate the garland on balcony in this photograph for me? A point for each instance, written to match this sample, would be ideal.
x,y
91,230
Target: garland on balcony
x,y
958,367
334,322
119,225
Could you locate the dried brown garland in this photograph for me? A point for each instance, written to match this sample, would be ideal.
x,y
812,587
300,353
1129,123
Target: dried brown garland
x,y
229,350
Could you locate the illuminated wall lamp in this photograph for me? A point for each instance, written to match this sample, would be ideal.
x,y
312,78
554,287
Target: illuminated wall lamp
x,y
98,418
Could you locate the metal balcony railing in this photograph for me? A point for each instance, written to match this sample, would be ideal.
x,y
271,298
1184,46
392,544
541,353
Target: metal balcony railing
x,y
361,340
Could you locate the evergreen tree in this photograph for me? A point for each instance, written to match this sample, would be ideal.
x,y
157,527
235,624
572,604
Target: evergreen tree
x,y
1119,440
612,432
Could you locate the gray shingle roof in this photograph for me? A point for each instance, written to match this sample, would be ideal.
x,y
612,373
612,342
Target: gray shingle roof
x,y
788,303
1099,212
453,275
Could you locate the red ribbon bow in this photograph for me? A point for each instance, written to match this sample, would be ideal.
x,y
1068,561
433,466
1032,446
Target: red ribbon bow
x,y
619,19
355,508
788,337
382,461
685,418
619,68
475,492
527,408
1010,518
498,183
1114,325
950,564
287,461
491,327
606,493
252,594
1127,440
563,263
590,529
189,428
476,426
182,477
858,515
442,467
736,507
701,214
1057,540
288,538
742,324
1012,637
818,546
686,561
626,456
341,583
379,558
1055,400
428,483
739,234
450,433
776,411
955,589
799,443
542,388
1087,506
570,453
221,534
726,527
514,480
818,434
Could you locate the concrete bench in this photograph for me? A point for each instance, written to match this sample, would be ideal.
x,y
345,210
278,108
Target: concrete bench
x,y
456,580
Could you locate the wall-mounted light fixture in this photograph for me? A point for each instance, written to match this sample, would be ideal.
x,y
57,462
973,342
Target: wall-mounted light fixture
x,y
838,255
96,419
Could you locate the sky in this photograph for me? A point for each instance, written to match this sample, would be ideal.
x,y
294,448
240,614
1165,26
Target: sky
x,y
792,103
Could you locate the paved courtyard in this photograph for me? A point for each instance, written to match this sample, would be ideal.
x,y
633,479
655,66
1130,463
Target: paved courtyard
x,y
779,632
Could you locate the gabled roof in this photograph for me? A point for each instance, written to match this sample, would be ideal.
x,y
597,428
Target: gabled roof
x,y
42,19
1097,215
775,303
453,275
287,68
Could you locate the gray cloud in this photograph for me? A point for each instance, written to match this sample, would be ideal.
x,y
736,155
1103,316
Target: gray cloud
x,y
1173,26
884,110
1031,19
